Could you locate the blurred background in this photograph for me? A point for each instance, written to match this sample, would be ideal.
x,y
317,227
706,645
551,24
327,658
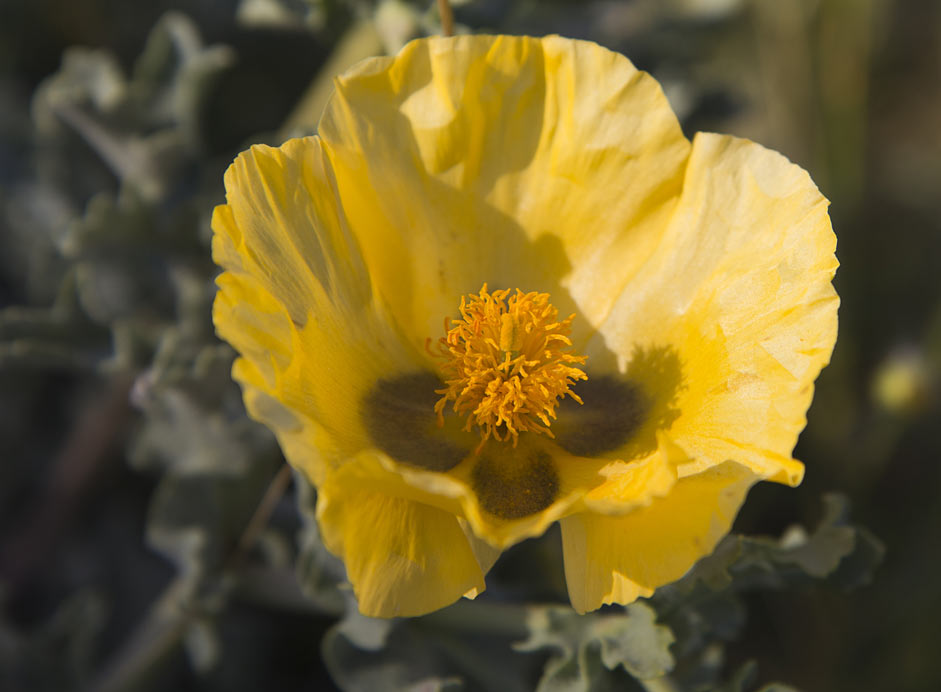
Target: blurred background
x,y
147,538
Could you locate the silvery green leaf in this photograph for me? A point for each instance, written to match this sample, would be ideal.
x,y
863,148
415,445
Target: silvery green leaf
x,y
636,642
146,128
196,520
118,274
194,422
87,76
631,640
833,540
283,14
182,436
173,74
60,337
797,556
857,568
366,633
704,608
32,217
202,645
410,662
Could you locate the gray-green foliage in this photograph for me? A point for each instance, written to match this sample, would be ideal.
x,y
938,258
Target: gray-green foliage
x,y
586,646
679,634
134,300
131,234
705,609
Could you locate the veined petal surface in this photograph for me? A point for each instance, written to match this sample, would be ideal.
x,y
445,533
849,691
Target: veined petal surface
x,y
699,275
740,290
403,557
619,559
478,159
297,303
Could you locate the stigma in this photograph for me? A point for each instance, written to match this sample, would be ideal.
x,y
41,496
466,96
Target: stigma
x,y
507,362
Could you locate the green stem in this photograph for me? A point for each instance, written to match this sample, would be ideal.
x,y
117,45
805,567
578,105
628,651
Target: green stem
x,y
276,488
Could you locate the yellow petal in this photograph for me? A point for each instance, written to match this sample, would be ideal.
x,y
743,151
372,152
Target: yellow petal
x,y
740,288
504,495
290,235
618,559
297,304
403,558
517,161
629,485
700,276
485,554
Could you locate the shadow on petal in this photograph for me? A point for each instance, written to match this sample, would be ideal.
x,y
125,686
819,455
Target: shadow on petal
x,y
623,412
399,415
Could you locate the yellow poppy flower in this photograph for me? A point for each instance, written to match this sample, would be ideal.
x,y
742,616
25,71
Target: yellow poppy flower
x,y
501,289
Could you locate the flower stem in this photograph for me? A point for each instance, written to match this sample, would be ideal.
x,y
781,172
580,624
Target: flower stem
x,y
276,488
447,17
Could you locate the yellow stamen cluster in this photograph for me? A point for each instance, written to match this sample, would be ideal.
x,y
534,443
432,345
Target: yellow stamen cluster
x,y
508,361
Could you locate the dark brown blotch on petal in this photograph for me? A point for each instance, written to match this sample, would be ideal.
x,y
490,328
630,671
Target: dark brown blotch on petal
x,y
399,415
612,413
513,486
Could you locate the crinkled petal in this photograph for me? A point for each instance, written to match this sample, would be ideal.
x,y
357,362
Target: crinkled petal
x,y
403,558
740,290
296,302
629,485
505,496
619,559
700,276
485,554
546,164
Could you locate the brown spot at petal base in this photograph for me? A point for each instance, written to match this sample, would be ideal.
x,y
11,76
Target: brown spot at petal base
x,y
399,415
512,486
613,412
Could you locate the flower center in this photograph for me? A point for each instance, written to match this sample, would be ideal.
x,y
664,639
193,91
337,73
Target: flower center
x,y
507,362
